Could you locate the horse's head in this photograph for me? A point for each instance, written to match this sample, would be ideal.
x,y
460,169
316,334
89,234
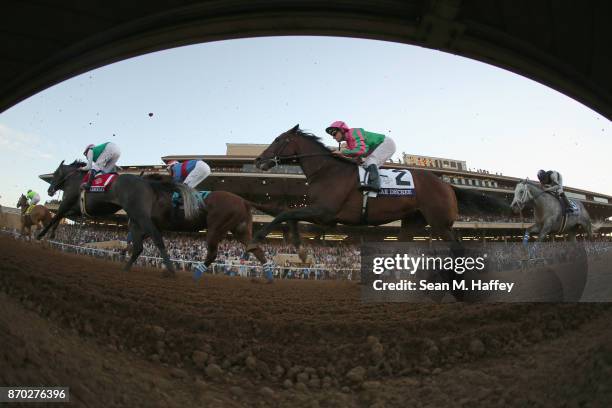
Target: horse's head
x,y
522,196
289,147
282,148
22,201
62,173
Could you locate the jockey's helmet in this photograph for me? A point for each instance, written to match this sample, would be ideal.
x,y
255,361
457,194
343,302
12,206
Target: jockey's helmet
x,y
337,125
29,191
541,175
89,146
170,164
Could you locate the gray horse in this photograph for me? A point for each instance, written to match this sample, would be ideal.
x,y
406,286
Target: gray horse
x,y
549,216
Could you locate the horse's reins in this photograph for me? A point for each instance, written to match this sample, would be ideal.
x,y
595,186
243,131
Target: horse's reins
x,y
59,184
278,158
532,197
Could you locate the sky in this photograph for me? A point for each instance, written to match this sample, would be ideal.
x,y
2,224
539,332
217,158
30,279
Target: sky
x,y
251,90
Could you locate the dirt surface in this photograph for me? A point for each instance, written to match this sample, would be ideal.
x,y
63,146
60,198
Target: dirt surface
x,y
136,339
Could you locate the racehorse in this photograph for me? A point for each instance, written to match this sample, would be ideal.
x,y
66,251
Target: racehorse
x,y
39,217
549,213
222,212
139,198
335,196
147,202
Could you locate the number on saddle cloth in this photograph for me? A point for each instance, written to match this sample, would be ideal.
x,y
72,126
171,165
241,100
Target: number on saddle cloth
x,y
101,182
393,182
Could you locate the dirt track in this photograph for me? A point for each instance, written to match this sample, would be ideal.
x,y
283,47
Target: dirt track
x,y
138,340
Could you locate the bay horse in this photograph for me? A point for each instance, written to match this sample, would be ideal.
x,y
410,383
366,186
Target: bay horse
x,y
39,217
549,213
222,212
335,196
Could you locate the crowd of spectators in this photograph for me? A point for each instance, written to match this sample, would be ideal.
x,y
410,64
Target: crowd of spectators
x,y
327,260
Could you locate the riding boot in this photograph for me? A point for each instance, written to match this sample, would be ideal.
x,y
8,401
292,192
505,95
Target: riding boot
x,y
566,201
373,178
87,186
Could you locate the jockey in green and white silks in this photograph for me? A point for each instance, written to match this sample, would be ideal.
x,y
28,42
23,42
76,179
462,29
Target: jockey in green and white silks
x,y
33,199
552,181
100,159
374,149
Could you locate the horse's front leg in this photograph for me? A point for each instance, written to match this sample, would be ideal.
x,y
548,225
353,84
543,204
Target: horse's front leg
x,y
316,215
56,219
545,230
534,229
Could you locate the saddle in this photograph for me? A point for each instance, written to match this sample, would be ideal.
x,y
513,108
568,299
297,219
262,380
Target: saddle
x,y
101,182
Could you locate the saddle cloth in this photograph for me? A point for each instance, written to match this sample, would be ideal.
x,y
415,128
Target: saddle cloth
x,y
101,182
572,204
178,202
393,182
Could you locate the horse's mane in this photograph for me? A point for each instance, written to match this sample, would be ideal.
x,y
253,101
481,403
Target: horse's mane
x,y
318,142
163,178
531,182
312,137
78,163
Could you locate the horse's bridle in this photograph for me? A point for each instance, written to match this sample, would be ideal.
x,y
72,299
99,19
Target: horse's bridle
x,y
278,158
532,197
58,185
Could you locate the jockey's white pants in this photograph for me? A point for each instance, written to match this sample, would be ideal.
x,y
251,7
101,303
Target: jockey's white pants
x,y
198,174
35,200
108,159
382,153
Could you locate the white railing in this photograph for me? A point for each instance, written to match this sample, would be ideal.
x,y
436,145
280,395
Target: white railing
x,y
231,267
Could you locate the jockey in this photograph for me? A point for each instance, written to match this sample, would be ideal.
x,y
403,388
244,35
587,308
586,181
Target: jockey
x,y
552,181
372,149
100,159
190,172
33,199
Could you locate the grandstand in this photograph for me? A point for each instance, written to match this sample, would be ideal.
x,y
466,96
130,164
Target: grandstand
x,y
235,172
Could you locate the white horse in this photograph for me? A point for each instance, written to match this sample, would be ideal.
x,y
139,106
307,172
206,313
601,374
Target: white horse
x,y
549,214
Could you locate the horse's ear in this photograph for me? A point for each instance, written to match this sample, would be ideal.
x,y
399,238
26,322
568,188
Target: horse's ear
x,y
296,128
62,163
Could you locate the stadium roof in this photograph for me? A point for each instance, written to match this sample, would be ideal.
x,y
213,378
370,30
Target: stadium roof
x,y
562,44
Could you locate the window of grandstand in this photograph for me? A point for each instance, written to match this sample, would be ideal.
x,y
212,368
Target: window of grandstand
x,y
575,195
283,169
600,199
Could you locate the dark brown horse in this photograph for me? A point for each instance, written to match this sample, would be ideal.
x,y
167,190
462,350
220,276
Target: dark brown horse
x,y
335,196
39,217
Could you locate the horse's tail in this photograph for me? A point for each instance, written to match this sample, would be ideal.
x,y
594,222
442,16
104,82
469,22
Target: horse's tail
x,y
476,202
191,202
270,209
595,226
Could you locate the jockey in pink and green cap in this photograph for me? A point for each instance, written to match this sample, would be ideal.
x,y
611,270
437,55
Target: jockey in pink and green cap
x,y
373,149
